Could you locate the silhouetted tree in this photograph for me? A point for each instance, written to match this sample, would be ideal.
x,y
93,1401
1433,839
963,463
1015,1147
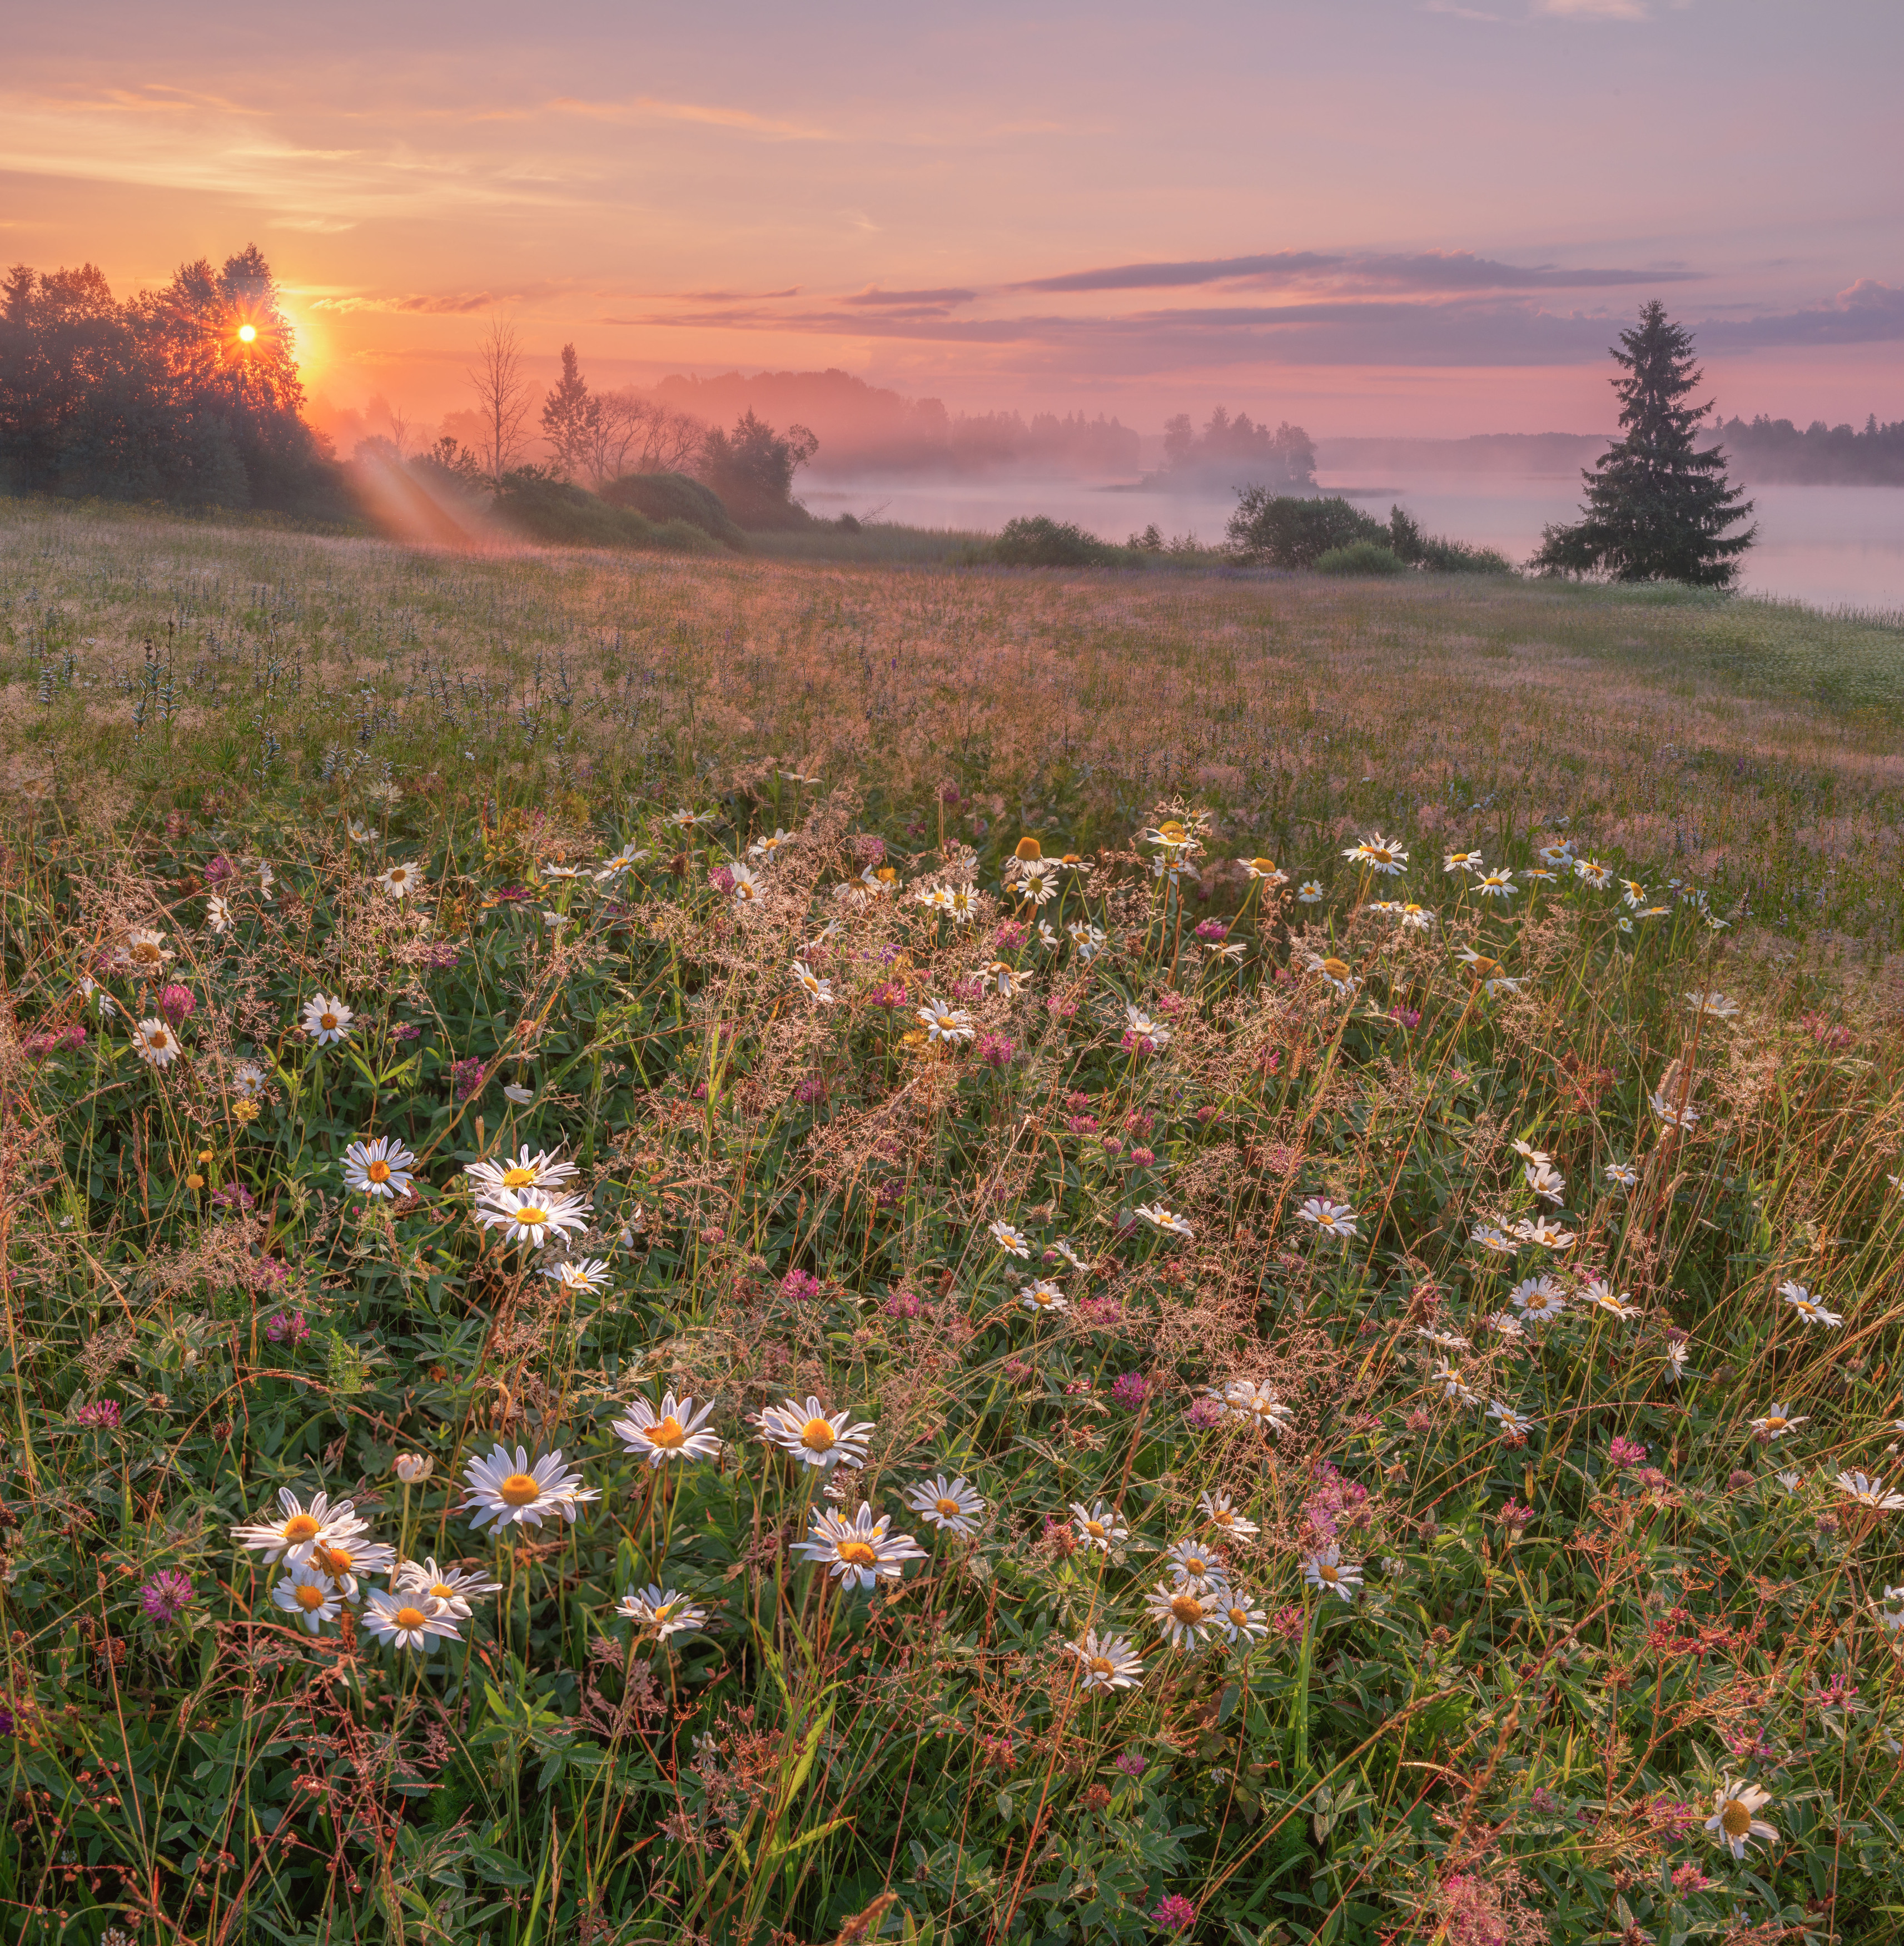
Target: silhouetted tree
x,y
1658,507
571,419
502,397
753,467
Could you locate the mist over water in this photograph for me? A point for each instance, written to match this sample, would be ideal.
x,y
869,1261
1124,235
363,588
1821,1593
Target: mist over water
x,y
1833,546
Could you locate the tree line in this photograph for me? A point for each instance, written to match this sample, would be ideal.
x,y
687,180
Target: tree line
x,y
189,393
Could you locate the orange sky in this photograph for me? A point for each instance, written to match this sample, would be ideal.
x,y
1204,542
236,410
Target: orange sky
x,y
1368,216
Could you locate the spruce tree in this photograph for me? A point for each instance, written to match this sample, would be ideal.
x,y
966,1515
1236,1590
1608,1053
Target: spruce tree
x,y
1657,508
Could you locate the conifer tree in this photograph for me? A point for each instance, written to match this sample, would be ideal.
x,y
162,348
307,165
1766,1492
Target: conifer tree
x,y
1658,508
569,417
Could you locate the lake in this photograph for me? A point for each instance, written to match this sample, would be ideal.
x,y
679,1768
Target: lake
x,y
1834,546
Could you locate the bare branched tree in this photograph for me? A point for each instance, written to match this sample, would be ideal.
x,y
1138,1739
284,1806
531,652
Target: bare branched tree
x,y
399,430
503,396
633,434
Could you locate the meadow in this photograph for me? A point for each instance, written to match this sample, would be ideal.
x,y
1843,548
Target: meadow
x,y
762,1250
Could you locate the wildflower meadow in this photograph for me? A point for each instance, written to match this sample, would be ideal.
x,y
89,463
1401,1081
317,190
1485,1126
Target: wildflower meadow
x,y
772,1253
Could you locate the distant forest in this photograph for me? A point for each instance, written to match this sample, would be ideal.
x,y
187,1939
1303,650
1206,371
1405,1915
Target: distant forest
x,y
1820,455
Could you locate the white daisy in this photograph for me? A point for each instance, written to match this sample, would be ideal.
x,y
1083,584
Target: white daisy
x,y
673,1431
1495,884
1735,1822
1063,1248
1138,1022
1166,1220
533,1217
299,1528
811,983
1808,1307
1264,869
1546,1182
503,1489
1718,1006
1675,1114
217,913
1601,1295
667,1612
1330,1219
308,1595
816,1437
1326,1570
1460,861
1238,1618
1777,1422
327,1020
1623,1175
1244,1398
1545,1233
399,880
408,1620
583,1275
359,834
1183,1613
1042,1295
1098,1526
145,951
1217,1509
1379,854
860,1552
380,1167
763,848
1310,891
515,1092
1511,1421
1538,1299
344,1557
1337,975
154,1043
452,1588
1867,1491
951,1505
1192,1564
747,886
1109,1661
1491,1238
544,1169
1007,1238
943,1021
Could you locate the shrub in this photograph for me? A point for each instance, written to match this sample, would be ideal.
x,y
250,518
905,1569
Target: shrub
x,y
541,509
1035,540
674,496
1410,545
1361,557
1289,530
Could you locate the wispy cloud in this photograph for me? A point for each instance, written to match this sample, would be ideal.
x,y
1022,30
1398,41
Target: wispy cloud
x,y
1593,10
879,297
1425,271
651,108
429,304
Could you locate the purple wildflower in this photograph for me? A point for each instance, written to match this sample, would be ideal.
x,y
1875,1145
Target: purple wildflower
x,y
102,1414
1173,1913
281,1325
996,1050
800,1285
234,1196
467,1076
1130,1764
903,1304
1131,1391
176,1003
1623,1452
1213,930
1205,1413
167,1595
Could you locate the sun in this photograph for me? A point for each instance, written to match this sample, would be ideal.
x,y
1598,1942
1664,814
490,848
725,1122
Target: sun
x,y
246,333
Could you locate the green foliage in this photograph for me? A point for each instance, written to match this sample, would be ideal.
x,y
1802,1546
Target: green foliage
x,y
662,497
542,508
1435,551
1559,1651
1035,540
1658,507
1292,530
751,470
1360,558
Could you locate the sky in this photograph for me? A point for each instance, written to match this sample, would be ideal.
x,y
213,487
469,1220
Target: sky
x,y
1408,217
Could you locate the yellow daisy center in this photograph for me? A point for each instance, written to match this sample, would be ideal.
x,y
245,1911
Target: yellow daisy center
x,y
1223,1517
1735,1820
1239,1616
335,1562
409,1618
158,1037
1337,969
1774,1422
661,1613
519,1490
1095,1529
1481,966
442,1591
817,1435
147,952
858,1553
1327,1571
531,1218
379,1171
950,1509
310,1597
1194,1564
301,1527
669,1433
1102,1665
518,1178
328,1021
1186,1608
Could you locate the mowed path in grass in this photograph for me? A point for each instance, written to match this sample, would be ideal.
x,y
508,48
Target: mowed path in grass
x,y
1755,746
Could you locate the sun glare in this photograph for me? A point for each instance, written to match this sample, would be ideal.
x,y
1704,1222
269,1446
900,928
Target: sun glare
x,y
246,333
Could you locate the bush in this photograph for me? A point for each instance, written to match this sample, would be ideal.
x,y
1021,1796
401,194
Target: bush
x,y
1288,530
1361,557
1035,540
1410,545
674,496
541,509
752,469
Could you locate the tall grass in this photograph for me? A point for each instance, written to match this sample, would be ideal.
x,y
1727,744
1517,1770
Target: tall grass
x,y
1595,1600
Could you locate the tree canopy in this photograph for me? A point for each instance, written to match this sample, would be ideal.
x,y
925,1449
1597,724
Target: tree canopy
x,y
1658,507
